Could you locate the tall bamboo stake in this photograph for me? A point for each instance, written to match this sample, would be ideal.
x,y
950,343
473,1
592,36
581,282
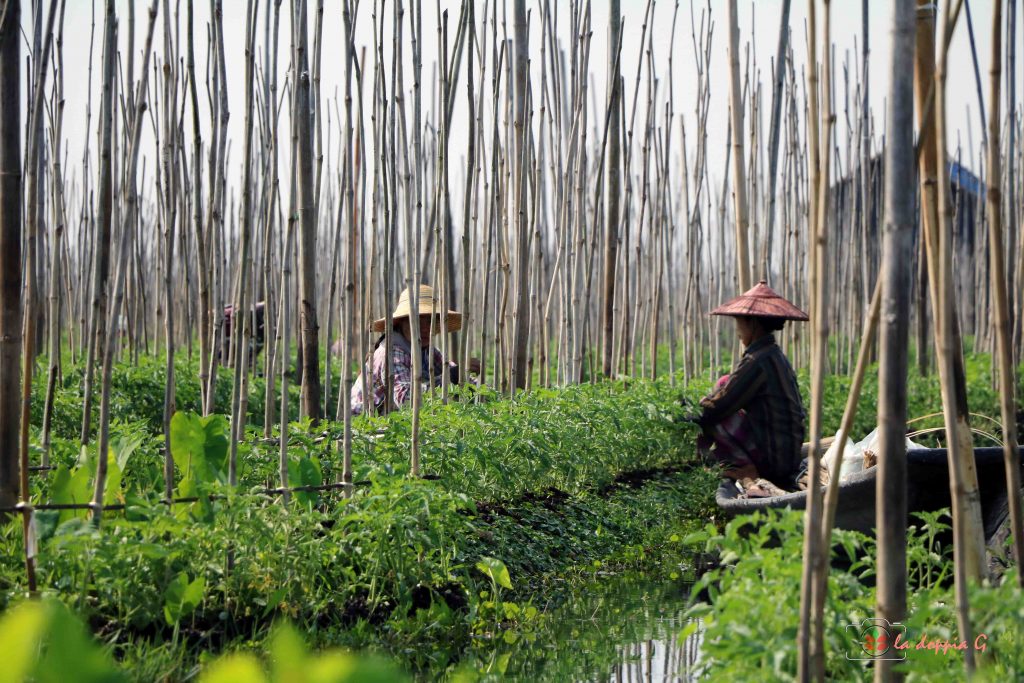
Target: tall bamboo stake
x,y
739,158
204,313
810,663
1003,331
897,252
348,209
128,229
169,217
521,334
10,250
307,218
773,140
59,214
968,534
101,256
614,136
240,310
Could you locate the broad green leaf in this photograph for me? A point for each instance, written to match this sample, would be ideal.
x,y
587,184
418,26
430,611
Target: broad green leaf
x,y
182,597
44,642
344,667
287,654
194,593
123,445
305,472
72,654
236,668
199,446
496,570
112,486
72,486
21,630
173,596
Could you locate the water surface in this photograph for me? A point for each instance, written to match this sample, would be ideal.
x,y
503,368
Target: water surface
x,y
620,629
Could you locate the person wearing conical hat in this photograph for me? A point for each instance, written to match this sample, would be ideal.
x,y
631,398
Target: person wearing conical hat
x,y
754,418
410,338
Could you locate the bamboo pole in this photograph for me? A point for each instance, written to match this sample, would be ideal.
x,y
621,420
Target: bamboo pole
x,y
10,250
33,223
1015,299
59,221
968,534
240,310
739,158
348,209
308,219
997,269
273,330
169,218
614,175
810,662
521,333
101,256
773,140
128,230
897,251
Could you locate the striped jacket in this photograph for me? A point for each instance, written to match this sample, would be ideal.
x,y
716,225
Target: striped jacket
x,y
764,385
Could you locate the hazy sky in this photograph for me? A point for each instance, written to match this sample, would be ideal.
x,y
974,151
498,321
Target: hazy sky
x,y
759,25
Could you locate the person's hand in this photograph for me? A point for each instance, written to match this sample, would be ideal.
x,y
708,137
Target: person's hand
x,y
474,366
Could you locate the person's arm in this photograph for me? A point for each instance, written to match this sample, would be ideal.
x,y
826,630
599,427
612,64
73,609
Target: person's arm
x,y
743,385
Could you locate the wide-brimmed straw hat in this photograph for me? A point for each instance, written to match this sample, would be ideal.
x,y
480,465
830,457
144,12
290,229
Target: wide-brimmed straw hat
x,y
761,301
427,305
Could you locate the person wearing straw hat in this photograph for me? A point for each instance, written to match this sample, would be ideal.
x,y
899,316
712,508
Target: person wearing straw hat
x,y
432,363
754,418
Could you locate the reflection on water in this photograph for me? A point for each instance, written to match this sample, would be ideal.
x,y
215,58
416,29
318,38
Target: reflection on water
x,y
620,630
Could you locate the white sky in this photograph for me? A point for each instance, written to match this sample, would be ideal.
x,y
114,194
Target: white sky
x,y
758,26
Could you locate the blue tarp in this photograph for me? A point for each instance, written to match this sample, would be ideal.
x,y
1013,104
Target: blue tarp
x,y
965,180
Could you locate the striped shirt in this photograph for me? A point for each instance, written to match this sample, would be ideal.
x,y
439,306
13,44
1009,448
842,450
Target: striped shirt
x,y
764,385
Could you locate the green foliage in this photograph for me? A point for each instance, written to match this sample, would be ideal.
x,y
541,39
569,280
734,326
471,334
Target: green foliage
x,y
44,642
137,393
199,446
394,566
924,397
496,571
548,486
182,597
752,609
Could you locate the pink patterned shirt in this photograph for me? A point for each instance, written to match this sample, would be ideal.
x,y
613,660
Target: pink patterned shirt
x,y
401,373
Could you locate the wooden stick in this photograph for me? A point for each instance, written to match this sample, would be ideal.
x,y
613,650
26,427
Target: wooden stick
x,y
10,250
897,251
1003,332
968,534
739,158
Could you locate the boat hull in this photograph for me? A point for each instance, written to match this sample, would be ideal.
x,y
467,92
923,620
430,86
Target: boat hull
x,y
927,491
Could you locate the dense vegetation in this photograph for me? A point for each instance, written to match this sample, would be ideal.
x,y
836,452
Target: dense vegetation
x,y
750,609
518,493
523,501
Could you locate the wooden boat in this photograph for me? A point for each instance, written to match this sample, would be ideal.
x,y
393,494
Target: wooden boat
x,y
927,491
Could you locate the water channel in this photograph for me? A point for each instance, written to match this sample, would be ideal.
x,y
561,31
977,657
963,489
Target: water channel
x,y
623,629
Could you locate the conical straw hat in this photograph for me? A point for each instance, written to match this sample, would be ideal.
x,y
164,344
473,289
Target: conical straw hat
x,y
761,301
427,305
